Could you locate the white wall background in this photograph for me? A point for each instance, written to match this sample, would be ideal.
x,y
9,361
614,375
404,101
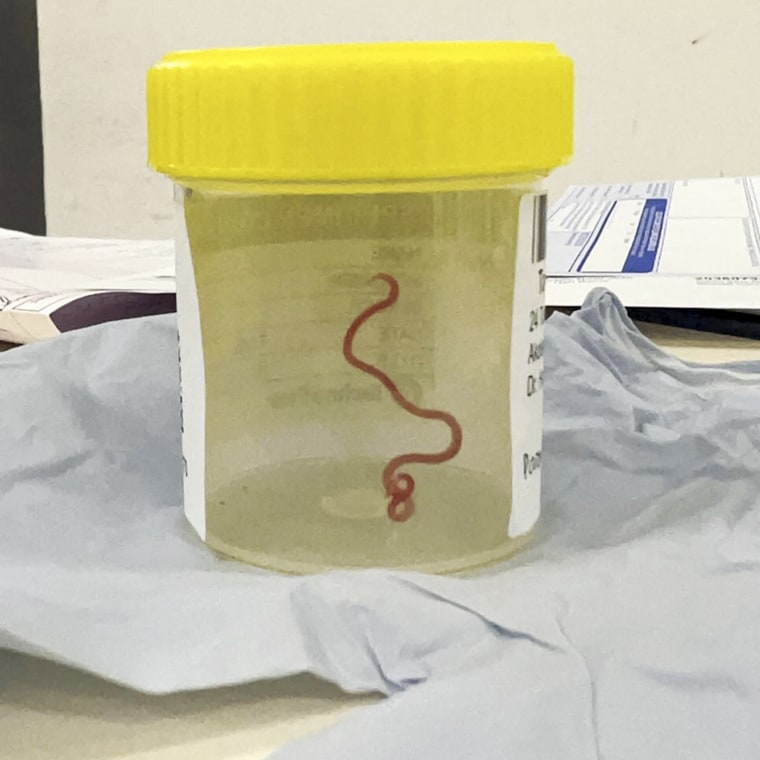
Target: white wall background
x,y
664,88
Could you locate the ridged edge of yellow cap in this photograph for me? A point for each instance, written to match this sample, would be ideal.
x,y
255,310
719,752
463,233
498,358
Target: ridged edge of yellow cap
x,y
361,112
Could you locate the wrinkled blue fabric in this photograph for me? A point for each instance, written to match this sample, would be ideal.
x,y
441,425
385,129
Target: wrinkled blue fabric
x,y
630,628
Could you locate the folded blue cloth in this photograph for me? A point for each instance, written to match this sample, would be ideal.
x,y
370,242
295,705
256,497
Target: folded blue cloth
x,y
630,628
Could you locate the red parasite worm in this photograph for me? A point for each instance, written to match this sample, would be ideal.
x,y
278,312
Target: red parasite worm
x,y
399,486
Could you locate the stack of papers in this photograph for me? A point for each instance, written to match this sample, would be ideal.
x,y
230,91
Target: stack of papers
x,y
691,244
53,285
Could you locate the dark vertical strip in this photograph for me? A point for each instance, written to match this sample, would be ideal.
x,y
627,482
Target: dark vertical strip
x,y
22,189
538,253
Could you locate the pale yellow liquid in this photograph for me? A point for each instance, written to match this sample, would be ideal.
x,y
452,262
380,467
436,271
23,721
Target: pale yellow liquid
x,y
296,438
459,519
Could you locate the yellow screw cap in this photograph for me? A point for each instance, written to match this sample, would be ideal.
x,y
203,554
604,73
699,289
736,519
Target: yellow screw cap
x,y
332,113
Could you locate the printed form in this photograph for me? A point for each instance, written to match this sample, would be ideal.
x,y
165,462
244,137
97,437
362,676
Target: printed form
x,y
689,243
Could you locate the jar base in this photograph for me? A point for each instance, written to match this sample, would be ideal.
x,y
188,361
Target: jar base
x,y
317,514
459,566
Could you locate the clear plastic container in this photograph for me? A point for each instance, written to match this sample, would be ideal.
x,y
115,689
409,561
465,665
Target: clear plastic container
x,y
361,355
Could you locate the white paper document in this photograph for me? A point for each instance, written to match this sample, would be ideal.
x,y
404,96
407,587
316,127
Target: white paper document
x,y
684,244
52,285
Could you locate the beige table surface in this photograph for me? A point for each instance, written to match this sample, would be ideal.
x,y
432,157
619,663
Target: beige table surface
x,y
48,712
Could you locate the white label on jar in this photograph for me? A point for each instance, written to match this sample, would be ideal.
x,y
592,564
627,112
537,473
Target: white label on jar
x,y
527,371
192,386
